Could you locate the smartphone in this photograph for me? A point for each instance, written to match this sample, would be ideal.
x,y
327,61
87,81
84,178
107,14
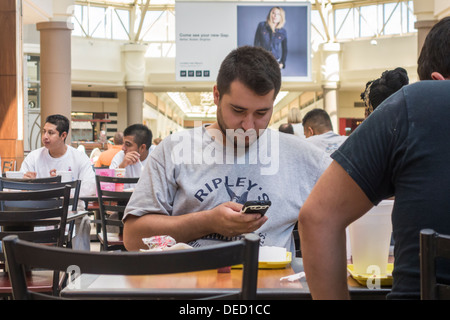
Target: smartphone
x,y
260,207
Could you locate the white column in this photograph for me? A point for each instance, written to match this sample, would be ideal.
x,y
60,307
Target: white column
x,y
56,89
330,72
330,104
135,103
134,65
426,19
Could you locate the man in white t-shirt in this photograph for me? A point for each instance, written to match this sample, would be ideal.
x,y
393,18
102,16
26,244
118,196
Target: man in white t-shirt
x,y
137,140
319,131
56,155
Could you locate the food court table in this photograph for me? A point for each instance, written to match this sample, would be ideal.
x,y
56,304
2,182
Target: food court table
x,y
195,285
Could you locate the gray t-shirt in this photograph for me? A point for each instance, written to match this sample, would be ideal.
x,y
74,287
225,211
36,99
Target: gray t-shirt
x,y
328,141
190,171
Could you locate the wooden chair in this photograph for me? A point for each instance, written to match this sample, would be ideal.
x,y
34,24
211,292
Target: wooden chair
x,y
21,254
111,207
432,247
23,223
14,184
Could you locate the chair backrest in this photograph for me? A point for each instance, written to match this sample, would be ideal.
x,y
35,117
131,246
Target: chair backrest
x,y
112,201
12,184
117,181
20,254
433,246
23,222
36,180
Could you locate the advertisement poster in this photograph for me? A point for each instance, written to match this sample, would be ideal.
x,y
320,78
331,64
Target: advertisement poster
x,y
207,31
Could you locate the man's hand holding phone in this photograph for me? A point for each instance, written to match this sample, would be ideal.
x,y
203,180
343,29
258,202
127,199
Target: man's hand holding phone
x,y
256,206
229,220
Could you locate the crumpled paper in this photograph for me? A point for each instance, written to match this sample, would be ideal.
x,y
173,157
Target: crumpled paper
x,y
163,243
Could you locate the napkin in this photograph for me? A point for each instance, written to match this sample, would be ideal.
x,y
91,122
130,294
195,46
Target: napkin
x,y
293,277
163,243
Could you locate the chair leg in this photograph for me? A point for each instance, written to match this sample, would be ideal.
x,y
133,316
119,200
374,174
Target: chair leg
x,y
427,265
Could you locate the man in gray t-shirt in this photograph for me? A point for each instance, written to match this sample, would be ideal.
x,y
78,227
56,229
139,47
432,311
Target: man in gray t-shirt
x,y
196,181
319,131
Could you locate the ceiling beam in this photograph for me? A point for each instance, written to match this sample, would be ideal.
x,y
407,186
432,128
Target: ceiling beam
x,y
143,12
325,26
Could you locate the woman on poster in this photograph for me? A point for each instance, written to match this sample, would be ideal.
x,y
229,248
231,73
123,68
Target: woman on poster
x,y
271,35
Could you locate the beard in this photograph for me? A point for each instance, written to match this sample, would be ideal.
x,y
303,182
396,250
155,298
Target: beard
x,y
238,137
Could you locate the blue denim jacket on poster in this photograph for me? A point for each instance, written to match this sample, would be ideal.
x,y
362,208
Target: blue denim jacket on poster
x,y
275,42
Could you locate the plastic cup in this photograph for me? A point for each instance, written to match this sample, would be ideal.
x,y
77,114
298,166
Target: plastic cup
x,y
347,244
370,237
66,176
120,173
14,174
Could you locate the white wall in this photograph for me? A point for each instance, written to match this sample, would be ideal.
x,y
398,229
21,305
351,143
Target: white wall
x,y
362,61
96,55
36,10
346,102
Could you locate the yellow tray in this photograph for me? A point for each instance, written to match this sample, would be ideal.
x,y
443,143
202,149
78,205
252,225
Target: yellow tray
x,y
271,264
385,279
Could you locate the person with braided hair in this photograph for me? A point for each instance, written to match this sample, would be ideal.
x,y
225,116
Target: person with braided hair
x,y
378,90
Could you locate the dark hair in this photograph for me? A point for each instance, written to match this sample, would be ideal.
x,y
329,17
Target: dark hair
x,y
142,134
318,120
435,53
118,138
61,122
255,67
378,90
286,128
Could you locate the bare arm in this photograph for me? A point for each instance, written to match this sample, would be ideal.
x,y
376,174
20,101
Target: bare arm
x,y
335,201
225,219
130,158
29,175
